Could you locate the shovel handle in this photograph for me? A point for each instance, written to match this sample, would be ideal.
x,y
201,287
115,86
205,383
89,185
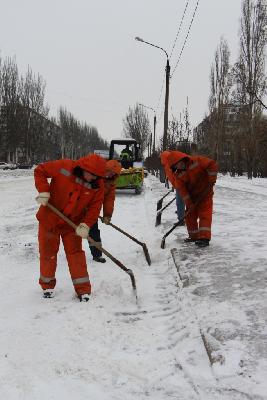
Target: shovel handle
x,y
61,215
144,246
123,232
167,205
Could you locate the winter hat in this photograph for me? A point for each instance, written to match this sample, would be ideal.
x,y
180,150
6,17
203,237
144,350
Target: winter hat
x,y
113,166
176,156
164,157
94,164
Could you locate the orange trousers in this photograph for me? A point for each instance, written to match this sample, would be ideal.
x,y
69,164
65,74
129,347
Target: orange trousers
x,y
48,248
198,221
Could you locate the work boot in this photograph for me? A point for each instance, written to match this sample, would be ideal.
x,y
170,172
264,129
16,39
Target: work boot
x,y
99,259
48,293
202,242
189,240
84,297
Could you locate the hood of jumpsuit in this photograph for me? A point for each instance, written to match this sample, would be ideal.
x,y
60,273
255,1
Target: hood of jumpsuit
x,y
164,157
176,156
94,164
113,166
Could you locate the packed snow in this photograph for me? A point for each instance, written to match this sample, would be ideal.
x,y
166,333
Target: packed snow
x,y
197,331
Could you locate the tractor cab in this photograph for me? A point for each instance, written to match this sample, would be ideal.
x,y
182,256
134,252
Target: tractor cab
x,y
127,152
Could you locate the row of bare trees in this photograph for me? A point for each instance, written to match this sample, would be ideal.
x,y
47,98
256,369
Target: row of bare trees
x,y
77,139
235,131
21,98
27,135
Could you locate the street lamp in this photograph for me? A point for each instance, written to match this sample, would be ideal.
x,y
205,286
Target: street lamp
x,y
154,132
168,71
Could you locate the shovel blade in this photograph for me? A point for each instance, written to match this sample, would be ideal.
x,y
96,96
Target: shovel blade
x,y
148,259
158,219
159,204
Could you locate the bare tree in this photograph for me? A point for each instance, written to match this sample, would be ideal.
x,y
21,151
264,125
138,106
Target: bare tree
x,y
136,125
220,85
179,131
9,100
31,98
188,130
250,76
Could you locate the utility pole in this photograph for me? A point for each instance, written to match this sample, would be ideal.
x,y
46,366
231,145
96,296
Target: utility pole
x,y
166,108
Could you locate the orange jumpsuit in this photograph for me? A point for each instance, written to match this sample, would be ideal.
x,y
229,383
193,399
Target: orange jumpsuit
x,y
78,200
199,174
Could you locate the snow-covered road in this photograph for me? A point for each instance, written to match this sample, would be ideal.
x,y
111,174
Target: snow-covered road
x,y
114,349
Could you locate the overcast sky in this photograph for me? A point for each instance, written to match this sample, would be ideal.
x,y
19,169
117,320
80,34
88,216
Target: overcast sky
x,y
86,52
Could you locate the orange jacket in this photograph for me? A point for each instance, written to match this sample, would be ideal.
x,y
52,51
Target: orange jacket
x,y
109,197
164,161
200,172
77,199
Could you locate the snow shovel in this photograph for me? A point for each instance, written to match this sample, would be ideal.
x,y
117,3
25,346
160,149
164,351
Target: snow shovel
x,y
180,222
97,245
132,238
158,216
159,203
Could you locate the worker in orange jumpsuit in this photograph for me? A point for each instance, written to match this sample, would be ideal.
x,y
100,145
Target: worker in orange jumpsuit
x,y
179,201
113,170
194,178
77,190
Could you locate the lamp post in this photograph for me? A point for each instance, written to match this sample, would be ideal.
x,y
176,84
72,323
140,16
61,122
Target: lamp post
x,y
167,71
152,147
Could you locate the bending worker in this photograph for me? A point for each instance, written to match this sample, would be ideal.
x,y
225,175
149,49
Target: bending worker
x,y
194,177
77,190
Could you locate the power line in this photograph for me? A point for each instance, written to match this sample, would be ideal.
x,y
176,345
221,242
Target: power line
x,y
181,52
179,29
